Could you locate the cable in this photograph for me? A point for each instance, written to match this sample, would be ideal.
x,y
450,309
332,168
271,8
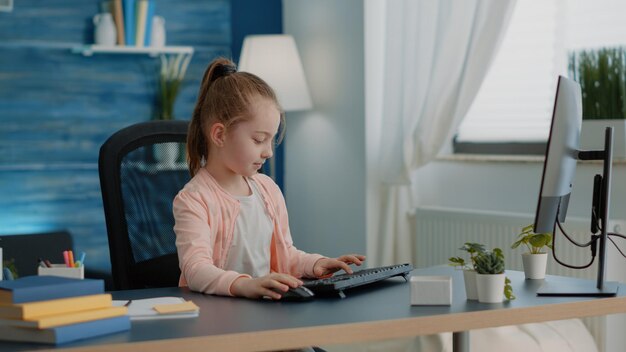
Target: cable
x,y
573,241
594,238
615,244
616,235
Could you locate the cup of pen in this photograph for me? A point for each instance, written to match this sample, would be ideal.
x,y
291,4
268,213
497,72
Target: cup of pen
x,y
71,268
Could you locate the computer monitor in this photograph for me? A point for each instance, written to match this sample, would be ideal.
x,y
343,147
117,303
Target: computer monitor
x,y
559,168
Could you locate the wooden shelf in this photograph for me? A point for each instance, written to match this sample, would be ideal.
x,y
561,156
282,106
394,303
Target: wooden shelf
x,y
89,50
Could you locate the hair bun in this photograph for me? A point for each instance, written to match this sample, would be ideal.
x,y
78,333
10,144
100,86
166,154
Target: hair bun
x,y
222,70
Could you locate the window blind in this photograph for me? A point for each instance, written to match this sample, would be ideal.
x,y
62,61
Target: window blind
x,y
515,101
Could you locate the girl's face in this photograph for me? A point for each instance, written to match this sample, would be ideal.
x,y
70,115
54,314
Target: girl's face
x,y
249,143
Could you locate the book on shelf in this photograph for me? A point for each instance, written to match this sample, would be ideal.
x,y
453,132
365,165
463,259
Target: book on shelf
x,y
149,17
140,31
67,333
159,308
37,309
129,21
133,21
42,288
51,321
118,18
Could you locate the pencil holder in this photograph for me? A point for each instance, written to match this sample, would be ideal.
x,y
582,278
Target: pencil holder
x,y
62,270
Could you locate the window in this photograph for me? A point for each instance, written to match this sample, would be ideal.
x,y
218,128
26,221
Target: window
x,y
514,104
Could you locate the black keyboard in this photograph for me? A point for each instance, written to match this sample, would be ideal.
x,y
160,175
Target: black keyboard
x,y
338,283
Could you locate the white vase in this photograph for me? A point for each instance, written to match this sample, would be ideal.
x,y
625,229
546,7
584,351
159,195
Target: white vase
x,y
469,277
592,136
535,265
157,37
490,287
104,29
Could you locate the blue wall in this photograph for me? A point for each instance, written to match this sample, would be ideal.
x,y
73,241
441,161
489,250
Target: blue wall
x,y
57,108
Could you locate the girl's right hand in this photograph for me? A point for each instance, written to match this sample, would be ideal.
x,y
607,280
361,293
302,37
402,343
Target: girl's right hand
x,y
268,285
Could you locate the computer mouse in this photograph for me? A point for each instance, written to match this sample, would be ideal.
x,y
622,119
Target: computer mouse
x,y
298,294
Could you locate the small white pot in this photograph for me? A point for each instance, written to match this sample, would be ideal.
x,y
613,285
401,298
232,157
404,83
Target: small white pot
x,y
469,277
490,287
535,265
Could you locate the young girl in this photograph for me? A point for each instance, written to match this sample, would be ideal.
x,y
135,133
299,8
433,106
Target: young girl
x,y
232,230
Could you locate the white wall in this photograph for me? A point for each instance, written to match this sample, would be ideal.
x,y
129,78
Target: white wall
x,y
325,146
510,186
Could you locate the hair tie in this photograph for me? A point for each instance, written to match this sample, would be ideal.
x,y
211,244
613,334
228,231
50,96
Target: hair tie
x,y
224,70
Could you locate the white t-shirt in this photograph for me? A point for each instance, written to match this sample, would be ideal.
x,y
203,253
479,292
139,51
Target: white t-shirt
x,y
250,248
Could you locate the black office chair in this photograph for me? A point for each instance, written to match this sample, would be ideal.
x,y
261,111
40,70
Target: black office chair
x,y
142,167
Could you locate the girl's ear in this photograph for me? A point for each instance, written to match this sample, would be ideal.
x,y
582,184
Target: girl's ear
x,y
217,134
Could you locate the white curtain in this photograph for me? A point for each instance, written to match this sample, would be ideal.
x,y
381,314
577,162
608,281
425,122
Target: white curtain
x,y
437,53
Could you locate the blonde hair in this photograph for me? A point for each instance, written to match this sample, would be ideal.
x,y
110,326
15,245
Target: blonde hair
x,y
225,96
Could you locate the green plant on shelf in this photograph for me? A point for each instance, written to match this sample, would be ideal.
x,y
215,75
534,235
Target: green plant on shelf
x,y
171,74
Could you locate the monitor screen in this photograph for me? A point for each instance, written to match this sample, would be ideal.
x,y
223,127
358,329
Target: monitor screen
x,y
559,166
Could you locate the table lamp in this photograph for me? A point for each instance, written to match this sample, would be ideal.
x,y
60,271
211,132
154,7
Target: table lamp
x,y
275,59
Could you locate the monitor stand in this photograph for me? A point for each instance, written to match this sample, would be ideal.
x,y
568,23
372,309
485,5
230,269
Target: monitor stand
x,y
587,288
579,289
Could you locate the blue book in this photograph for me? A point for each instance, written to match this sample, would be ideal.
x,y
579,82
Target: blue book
x,y
43,288
129,21
67,333
149,17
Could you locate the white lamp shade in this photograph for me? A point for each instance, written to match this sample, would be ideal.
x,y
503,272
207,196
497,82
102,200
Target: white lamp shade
x,y
275,59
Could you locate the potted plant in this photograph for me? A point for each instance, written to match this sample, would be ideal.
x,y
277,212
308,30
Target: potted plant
x,y
469,274
491,281
535,260
170,78
601,74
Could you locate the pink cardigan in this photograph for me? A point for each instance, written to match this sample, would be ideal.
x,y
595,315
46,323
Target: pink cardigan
x,y
205,216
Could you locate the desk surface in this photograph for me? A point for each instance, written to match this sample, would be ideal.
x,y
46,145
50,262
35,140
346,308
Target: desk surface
x,y
374,313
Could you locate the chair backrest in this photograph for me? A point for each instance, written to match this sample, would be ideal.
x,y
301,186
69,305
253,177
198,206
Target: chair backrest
x,y
142,167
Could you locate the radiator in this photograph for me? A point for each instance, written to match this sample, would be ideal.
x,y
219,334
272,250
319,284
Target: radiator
x,y
441,231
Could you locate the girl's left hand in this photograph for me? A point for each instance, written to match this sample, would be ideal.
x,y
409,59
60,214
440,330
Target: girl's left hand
x,y
328,266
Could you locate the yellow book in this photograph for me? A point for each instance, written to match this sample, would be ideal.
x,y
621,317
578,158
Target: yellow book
x,y
55,306
50,321
140,31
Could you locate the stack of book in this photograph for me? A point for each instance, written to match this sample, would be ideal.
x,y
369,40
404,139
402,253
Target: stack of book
x,y
57,310
133,21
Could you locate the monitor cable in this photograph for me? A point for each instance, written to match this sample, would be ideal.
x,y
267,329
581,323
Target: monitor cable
x,y
592,243
609,236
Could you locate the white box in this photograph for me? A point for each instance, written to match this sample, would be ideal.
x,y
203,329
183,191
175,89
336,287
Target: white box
x,y
431,290
62,270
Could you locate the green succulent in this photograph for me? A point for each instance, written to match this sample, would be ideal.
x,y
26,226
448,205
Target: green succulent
x,y
490,262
